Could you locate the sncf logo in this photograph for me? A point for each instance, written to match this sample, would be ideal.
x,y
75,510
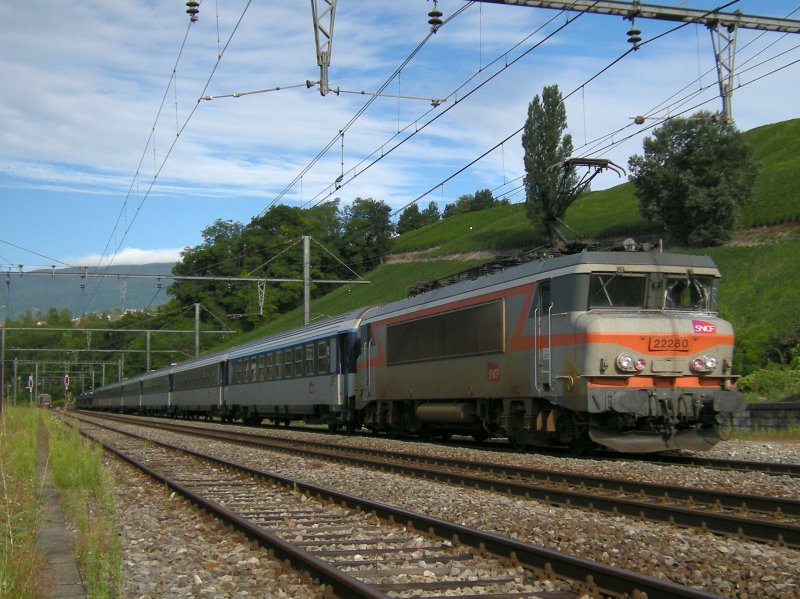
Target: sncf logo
x,y
493,372
703,328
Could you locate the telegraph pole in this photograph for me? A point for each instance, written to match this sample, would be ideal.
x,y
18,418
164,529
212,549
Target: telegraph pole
x,y
196,330
2,366
306,279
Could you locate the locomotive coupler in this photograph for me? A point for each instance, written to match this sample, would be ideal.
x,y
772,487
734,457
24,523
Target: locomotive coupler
x,y
667,409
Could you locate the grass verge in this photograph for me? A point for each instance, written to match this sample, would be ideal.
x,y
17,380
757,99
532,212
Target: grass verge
x,y
790,433
19,559
89,501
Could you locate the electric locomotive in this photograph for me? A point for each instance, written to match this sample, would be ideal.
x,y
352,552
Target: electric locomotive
x,y
619,349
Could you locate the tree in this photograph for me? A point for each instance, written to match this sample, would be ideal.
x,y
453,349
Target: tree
x,y
694,176
550,184
480,200
431,213
411,218
366,233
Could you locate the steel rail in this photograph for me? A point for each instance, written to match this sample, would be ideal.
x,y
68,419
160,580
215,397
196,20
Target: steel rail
x,y
342,584
593,576
773,506
744,465
757,529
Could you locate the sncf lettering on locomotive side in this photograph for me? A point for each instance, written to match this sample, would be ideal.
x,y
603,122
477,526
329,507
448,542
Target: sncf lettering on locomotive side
x,y
701,327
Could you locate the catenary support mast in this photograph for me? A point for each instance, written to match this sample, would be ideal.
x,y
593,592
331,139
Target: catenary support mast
x,y
722,26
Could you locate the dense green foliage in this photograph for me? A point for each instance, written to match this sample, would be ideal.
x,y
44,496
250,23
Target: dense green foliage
x,y
482,199
694,177
760,295
412,218
777,195
347,241
550,182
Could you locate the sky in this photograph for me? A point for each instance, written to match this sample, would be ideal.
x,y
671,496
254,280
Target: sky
x,y
108,154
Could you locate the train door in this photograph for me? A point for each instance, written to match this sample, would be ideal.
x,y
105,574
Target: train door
x,y
365,391
542,307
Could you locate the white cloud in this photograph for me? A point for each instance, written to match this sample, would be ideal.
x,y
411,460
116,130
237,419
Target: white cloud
x,y
128,256
77,111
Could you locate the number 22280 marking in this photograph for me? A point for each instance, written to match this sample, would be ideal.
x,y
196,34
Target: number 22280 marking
x,y
669,344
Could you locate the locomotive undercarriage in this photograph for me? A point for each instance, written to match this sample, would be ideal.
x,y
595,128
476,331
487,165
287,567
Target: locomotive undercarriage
x,y
645,421
637,421
431,419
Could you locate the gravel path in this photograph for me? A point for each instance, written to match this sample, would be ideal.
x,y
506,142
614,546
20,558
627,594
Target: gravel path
x,y
198,558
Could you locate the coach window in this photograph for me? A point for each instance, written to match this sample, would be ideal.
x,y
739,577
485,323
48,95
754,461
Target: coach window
x,y
323,357
270,365
287,363
310,359
278,364
262,367
298,360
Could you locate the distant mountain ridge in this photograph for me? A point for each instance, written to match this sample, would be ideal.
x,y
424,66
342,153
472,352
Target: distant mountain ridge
x,y
36,293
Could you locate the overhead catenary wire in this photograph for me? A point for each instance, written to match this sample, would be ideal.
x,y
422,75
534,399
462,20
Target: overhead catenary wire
x,y
382,152
357,115
160,167
565,97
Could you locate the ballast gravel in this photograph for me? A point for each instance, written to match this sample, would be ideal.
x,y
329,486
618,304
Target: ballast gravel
x,y
172,550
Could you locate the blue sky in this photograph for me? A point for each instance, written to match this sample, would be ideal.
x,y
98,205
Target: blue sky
x,y
90,109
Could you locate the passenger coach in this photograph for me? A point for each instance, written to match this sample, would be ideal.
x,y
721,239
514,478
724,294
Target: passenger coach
x,y
304,374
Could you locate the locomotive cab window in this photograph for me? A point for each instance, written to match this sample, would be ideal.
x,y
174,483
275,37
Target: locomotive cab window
x,y
615,290
690,293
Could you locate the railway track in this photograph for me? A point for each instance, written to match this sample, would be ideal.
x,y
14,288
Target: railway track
x,y
361,548
759,518
771,468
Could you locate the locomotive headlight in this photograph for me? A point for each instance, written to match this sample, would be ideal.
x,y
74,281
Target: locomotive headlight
x,y
704,364
627,363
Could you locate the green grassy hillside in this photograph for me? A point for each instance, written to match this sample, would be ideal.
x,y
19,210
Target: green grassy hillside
x,y
614,212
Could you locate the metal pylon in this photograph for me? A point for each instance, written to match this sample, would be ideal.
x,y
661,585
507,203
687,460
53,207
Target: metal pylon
x,y
723,39
323,37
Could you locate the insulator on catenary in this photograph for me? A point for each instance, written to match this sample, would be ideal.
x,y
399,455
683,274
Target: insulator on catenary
x,y
435,17
192,8
634,37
